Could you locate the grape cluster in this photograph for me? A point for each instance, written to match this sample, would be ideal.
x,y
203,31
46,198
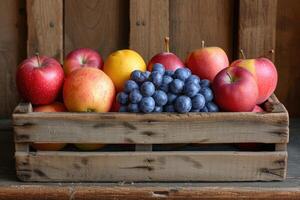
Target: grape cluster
x,y
166,91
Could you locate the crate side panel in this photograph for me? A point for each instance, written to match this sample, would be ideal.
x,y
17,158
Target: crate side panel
x,y
154,166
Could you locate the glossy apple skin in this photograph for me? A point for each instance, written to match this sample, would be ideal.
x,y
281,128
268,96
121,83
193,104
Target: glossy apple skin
x,y
39,84
265,74
88,90
235,90
207,62
83,57
169,60
257,109
54,107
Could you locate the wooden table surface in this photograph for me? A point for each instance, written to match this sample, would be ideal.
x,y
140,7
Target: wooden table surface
x,y
11,188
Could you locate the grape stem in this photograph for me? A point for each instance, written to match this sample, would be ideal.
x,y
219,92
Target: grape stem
x,y
167,44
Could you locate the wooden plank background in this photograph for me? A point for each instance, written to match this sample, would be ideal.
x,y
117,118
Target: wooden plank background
x,y
107,25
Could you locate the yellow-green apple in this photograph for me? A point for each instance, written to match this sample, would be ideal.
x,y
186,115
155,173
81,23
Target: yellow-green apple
x,y
39,79
168,59
88,90
235,89
257,109
265,74
82,57
207,62
54,107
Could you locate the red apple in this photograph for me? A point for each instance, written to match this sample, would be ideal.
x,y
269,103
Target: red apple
x,y
235,89
257,109
207,62
54,107
265,74
83,57
88,90
168,59
39,79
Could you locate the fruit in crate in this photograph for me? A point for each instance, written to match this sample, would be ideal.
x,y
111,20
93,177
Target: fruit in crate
x,y
39,79
168,59
257,109
207,61
235,90
89,147
119,65
54,107
88,90
82,57
166,91
265,74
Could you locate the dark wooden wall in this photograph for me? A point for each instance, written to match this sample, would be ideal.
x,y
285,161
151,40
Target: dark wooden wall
x,y
108,25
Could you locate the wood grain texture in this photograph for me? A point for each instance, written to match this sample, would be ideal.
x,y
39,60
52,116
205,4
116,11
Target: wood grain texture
x,y
197,20
151,166
34,192
149,25
98,24
287,55
12,51
257,28
45,28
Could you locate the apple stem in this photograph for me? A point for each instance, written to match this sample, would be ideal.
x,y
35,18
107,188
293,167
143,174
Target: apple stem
x,y
242,53
38,58
202,43
167,44
230,77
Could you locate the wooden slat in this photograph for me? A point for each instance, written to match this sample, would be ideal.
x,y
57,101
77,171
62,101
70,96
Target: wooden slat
x,y
151,166
151,128
149,25
12,51
45,28
197,20
257,28
287,55
99,24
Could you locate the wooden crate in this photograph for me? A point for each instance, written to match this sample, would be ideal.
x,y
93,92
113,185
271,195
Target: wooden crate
x,y
145,130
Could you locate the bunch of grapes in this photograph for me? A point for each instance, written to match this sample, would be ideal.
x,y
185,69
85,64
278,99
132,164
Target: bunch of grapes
x,y
166,91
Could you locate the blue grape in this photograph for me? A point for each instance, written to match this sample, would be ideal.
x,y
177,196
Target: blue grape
x,y
204,83
167,79
147,89
169,73
146,75
212,107
183,104
194,110
133,107
137,76
198,101
122,98
204,109
130,85
193,78
158,109
191,89
207,93
135,96
147,104
176,86
169,108
158,67
160,98
123,108
182,73
156,78
171,98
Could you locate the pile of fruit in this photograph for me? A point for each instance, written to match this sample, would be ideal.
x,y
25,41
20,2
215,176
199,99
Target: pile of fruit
x,y
205,83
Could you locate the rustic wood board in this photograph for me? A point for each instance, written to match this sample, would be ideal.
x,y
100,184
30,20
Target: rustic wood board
x,y
131,128
45,28
197,20
151,166
257,28
100,24
149,25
